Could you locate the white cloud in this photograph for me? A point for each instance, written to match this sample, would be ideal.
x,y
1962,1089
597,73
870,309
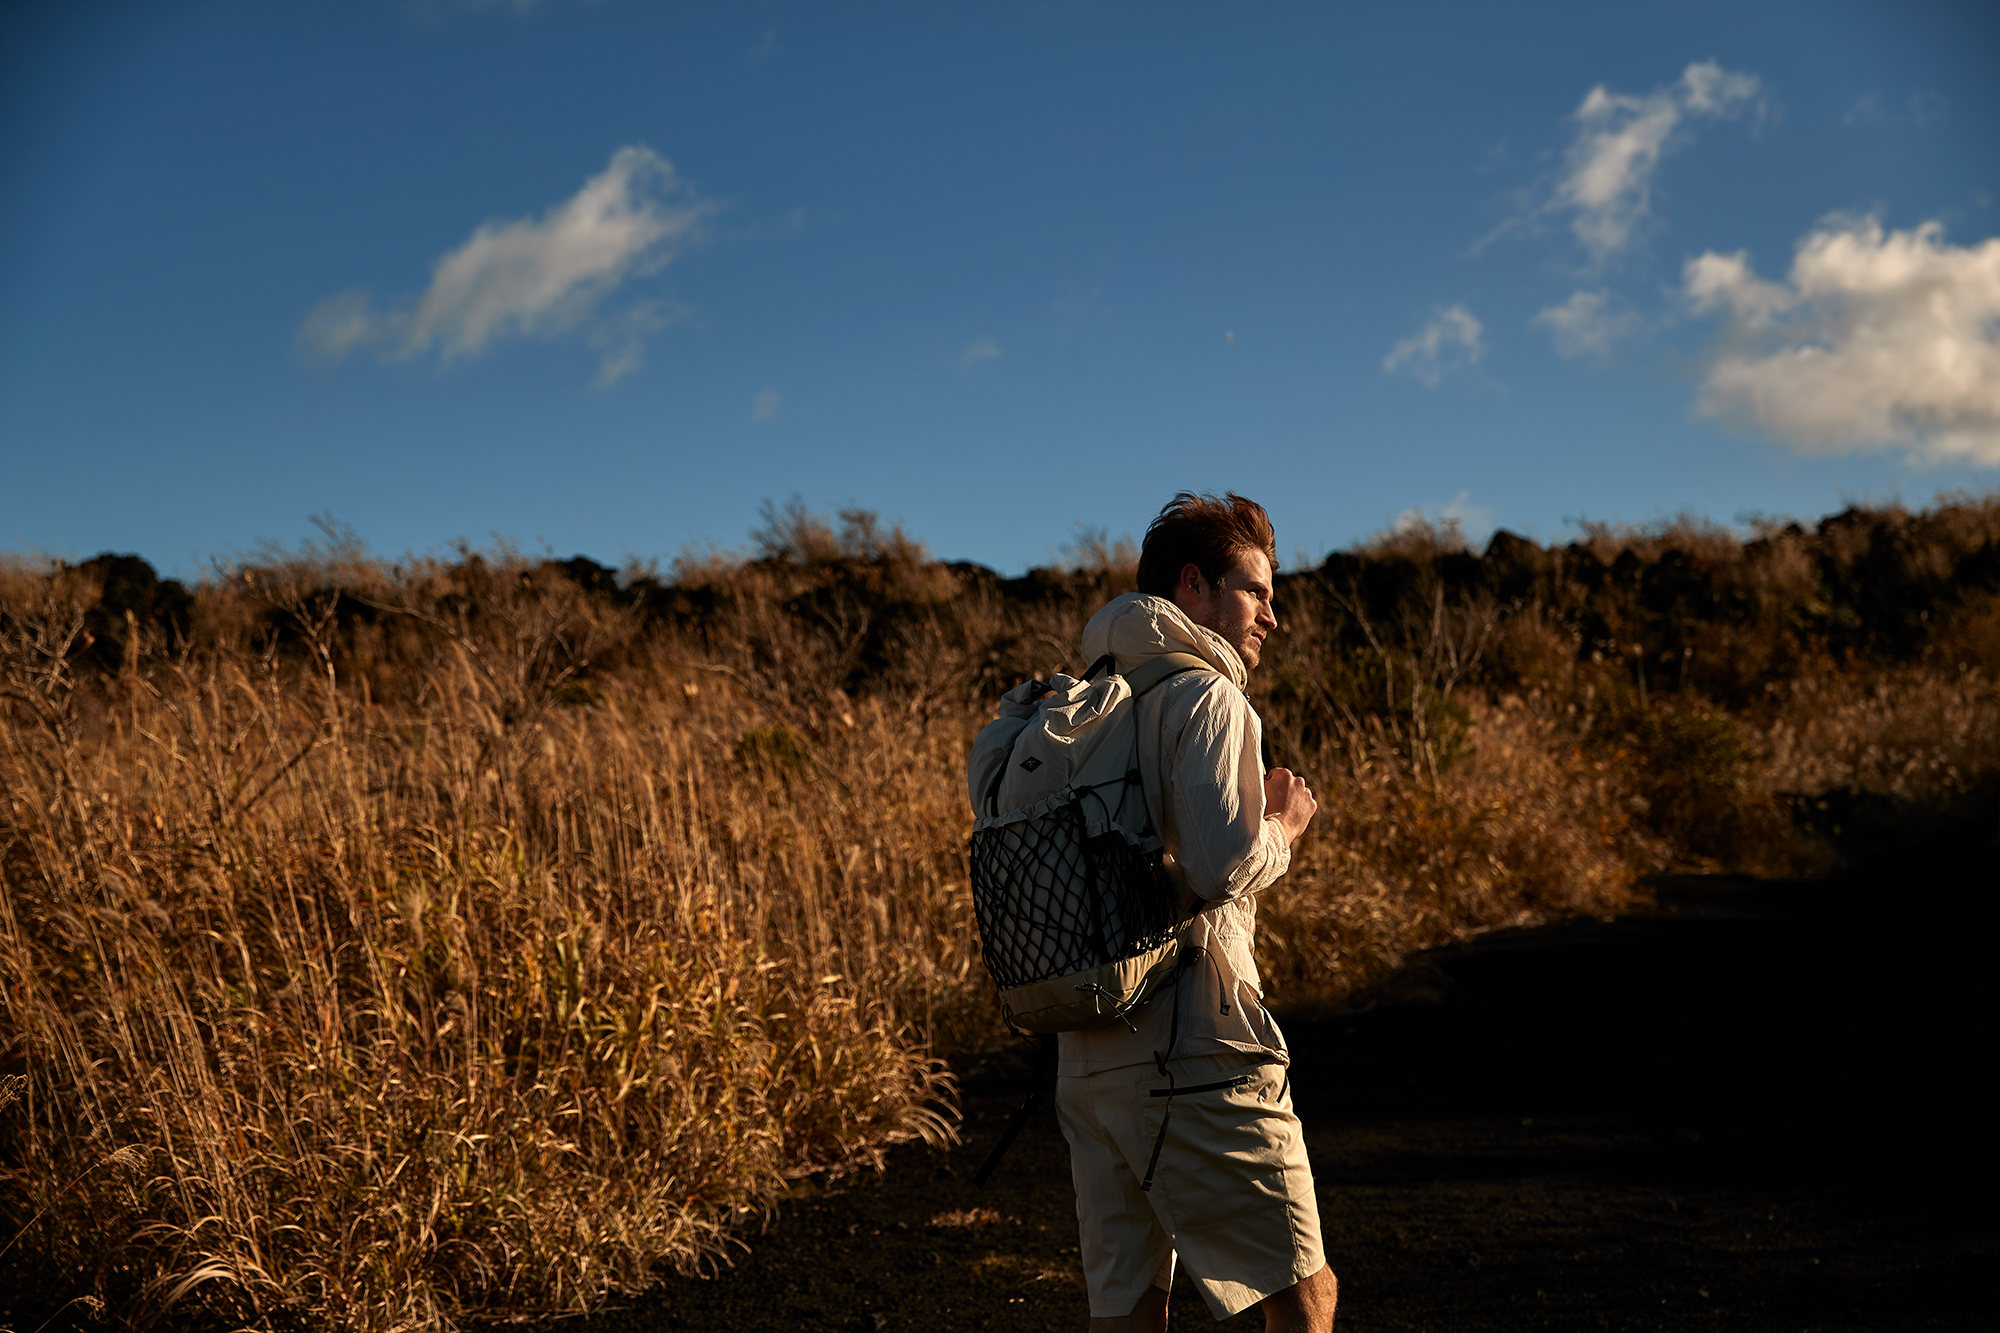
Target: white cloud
x,y
1867,110
1607,180
1928,107
1924,108
764,407
1587,324
1459,516
980,349
1713,281
1877,340
338,325
622,338
1453,338
537,277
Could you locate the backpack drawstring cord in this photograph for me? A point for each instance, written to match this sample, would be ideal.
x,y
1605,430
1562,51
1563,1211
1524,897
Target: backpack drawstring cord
x,y
1160,1059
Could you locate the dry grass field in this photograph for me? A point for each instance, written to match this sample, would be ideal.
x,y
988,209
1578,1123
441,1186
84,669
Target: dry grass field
x,y
384,946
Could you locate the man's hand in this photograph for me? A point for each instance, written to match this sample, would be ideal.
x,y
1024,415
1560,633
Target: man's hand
x,y
1288,800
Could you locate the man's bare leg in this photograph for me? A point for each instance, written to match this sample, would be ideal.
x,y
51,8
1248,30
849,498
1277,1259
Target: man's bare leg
x,y
1305,1307
1148,1316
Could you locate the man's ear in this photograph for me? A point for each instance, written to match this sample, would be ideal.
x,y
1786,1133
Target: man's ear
x,y
1191,578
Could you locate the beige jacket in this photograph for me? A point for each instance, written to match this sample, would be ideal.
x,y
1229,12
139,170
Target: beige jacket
x,y
1200,748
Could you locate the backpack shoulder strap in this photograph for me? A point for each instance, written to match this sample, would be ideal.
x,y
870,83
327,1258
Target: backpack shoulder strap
x,y
1156,669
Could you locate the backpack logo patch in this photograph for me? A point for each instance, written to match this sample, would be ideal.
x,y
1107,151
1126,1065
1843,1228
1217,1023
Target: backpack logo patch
x,y
1031,763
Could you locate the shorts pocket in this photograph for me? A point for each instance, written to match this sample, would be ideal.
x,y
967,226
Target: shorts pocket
x,y
1239,1081
1225,1152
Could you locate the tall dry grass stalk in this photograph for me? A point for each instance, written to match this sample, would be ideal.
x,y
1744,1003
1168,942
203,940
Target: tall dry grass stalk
x,y
417,1013
1527,829
1916,734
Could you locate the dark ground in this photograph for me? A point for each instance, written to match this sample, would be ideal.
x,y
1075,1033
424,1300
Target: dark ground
x,y
1758,1107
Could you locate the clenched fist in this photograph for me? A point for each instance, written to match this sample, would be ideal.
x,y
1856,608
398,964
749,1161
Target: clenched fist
x,y
1288,800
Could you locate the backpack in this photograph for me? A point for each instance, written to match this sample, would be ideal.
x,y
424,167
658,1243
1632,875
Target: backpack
x,y
1078,920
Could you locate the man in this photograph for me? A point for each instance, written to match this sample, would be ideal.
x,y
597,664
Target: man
x,y
1182,1139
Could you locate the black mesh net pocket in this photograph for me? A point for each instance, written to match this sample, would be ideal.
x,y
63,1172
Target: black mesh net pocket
x,y
1051,902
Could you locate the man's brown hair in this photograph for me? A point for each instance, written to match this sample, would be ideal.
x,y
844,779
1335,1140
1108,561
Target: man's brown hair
x,y
1205,531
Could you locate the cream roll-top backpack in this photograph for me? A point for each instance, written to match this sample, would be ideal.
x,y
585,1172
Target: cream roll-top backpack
x,y
1078,919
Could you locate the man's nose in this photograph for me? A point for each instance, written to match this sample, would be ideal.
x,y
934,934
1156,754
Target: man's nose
x,y
1266,615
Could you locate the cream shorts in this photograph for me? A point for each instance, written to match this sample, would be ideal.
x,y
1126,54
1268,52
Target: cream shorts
x,y
1232,1195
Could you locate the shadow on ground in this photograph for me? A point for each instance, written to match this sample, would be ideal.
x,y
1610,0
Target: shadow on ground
x,y
1754,1107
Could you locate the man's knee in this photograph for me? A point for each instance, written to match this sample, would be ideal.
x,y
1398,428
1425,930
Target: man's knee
x,y
1148,1316
1304,1307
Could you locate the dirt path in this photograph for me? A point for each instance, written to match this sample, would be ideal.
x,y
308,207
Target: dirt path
x,y
1758,1108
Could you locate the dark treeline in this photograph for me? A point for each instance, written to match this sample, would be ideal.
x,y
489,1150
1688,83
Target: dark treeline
x,y
1685,605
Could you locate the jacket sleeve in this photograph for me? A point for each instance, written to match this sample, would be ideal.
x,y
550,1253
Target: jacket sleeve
x,y
1227,848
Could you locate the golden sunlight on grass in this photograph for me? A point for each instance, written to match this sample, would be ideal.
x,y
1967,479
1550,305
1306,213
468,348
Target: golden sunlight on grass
x,y
384,946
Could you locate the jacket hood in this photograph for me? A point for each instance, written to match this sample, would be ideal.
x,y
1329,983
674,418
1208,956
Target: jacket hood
x,y
1138,626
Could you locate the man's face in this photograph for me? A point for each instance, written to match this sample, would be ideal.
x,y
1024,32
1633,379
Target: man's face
x,y
1238,606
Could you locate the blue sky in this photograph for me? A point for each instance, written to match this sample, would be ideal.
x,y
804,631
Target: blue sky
x,y
603,277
